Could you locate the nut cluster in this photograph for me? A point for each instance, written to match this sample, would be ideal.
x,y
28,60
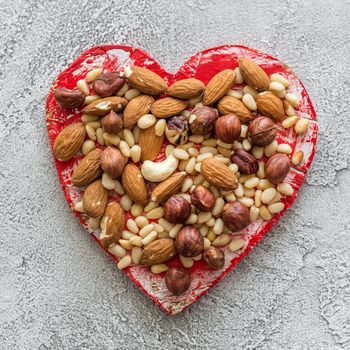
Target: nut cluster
x,y
190,168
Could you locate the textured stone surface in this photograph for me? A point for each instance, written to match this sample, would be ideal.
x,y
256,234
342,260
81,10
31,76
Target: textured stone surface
x,y
60,291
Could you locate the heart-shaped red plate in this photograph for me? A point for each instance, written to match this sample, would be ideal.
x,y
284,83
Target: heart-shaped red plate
x,y
203,66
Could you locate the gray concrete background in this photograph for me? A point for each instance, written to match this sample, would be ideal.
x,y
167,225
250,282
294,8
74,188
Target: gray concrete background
x,y
58,290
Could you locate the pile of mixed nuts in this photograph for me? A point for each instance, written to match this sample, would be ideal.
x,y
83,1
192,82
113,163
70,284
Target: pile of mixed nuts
x,y
221,169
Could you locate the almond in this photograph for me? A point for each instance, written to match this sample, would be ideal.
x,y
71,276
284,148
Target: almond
x,y
134,184
103,106
150,143
158,252
253,74
168,187
231,105
112,224
218,174
270,105
186,88
69,141
136,108
95,199
88,169
218,86
146,81
167,107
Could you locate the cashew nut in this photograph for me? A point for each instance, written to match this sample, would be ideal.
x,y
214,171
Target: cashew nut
x,y
159,171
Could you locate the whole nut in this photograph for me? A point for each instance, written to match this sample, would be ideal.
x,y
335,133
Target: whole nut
x,y
189,242
228,128
247,163
108,84
262,131
214,257
112,122
69,98
235,216
112,162
176,130
176,209
277,168
177,280
202,198
202,120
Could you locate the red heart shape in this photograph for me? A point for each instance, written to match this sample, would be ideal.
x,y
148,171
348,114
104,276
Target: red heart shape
x,y
203,66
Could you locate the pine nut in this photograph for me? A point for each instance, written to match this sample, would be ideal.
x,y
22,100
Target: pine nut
x,y
254,213
284,148
288,108
169,150
252,182
197,168
159,268
87,118
124,149
157,227
248,202
79,207
91,98
211,150
276,86
128,137
193,101
125,244
267,195
249,192
186,196
163,235
146,121
150,238
203,217
135,153
289,122
132,227
186,262
93,74
285,189
141,221
136,132
231,197
210,222
257,198
192,219
219,204
88,146
249,90
199,179
96,124
160,127
125,202
301,126
203,229
238,94
276,198
215,191
193,152
165,224
249,102
218,227
111,138
207,243
123,90
127,234
188,182
186,146
94,223
156,213
264,184
222,159
146,230
136,209
292,99
271,149
99,136
211,235
180,154
131,94
210,142
124,262
119,188
136,241
233,167
203,156
117,250
280,94
221,240
83,86
264,213
297,157
107,182
174,231
276,207
136,253
196,138
225,145
186,114
280,79
236,244
239,191
246,145
238,76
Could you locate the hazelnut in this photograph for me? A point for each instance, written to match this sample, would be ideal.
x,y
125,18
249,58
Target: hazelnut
x,y
202,120
202,198
277,168
189,242
176,209
262,131
69,98
177,280
176,130
228,128
214,257
112,122
247,163
112,162
108,84
235,216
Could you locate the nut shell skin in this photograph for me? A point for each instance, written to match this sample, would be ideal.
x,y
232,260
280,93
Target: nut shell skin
x,y
189,242
112,122
177,130
235,216
214,258
69,98
176,209
202,198
247,163
107,84
228,128
262,131
202,120
112,162
177,280
277,168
